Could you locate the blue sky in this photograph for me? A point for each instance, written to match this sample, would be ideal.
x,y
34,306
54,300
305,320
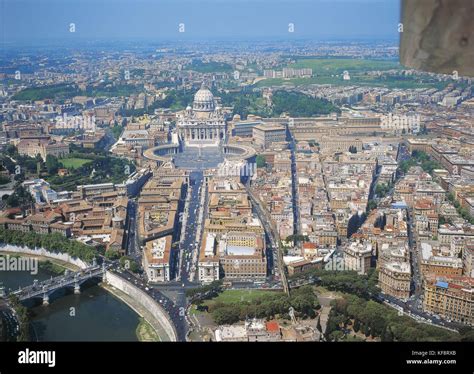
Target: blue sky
x,y
43,20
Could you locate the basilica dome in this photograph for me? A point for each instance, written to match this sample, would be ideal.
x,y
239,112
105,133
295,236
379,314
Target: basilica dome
x,y
203,100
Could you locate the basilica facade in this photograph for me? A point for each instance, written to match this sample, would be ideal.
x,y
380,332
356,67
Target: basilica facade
x,y
203,124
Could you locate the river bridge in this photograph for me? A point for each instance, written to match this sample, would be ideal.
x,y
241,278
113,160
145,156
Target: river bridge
x,y
70,279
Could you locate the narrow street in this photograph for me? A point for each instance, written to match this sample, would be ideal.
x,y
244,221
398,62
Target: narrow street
x,y
297,229
415,300
133,245
274,239
190,242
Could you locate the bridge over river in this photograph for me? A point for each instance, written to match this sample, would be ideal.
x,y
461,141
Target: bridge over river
x,y
70,279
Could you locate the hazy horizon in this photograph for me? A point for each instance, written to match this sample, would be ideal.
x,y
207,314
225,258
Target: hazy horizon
x,y
43,22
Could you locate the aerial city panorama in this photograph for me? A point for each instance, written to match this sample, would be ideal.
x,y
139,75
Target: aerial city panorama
x,y
187,171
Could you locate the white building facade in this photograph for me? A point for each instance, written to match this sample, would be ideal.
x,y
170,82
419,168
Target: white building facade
x,y
203,124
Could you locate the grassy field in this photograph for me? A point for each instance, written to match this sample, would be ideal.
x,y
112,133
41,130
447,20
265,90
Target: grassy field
x,y
209,67
328,66
329,71
238,296
58,91
73,163
145,332
360,80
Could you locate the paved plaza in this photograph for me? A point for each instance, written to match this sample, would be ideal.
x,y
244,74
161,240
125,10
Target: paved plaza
x,y
193,158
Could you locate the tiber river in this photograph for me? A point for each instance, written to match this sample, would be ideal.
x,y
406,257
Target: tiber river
x,y
94,315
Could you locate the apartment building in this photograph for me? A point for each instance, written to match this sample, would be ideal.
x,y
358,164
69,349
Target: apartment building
x,y
395,278
358,256
452,298
157,259
266,135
